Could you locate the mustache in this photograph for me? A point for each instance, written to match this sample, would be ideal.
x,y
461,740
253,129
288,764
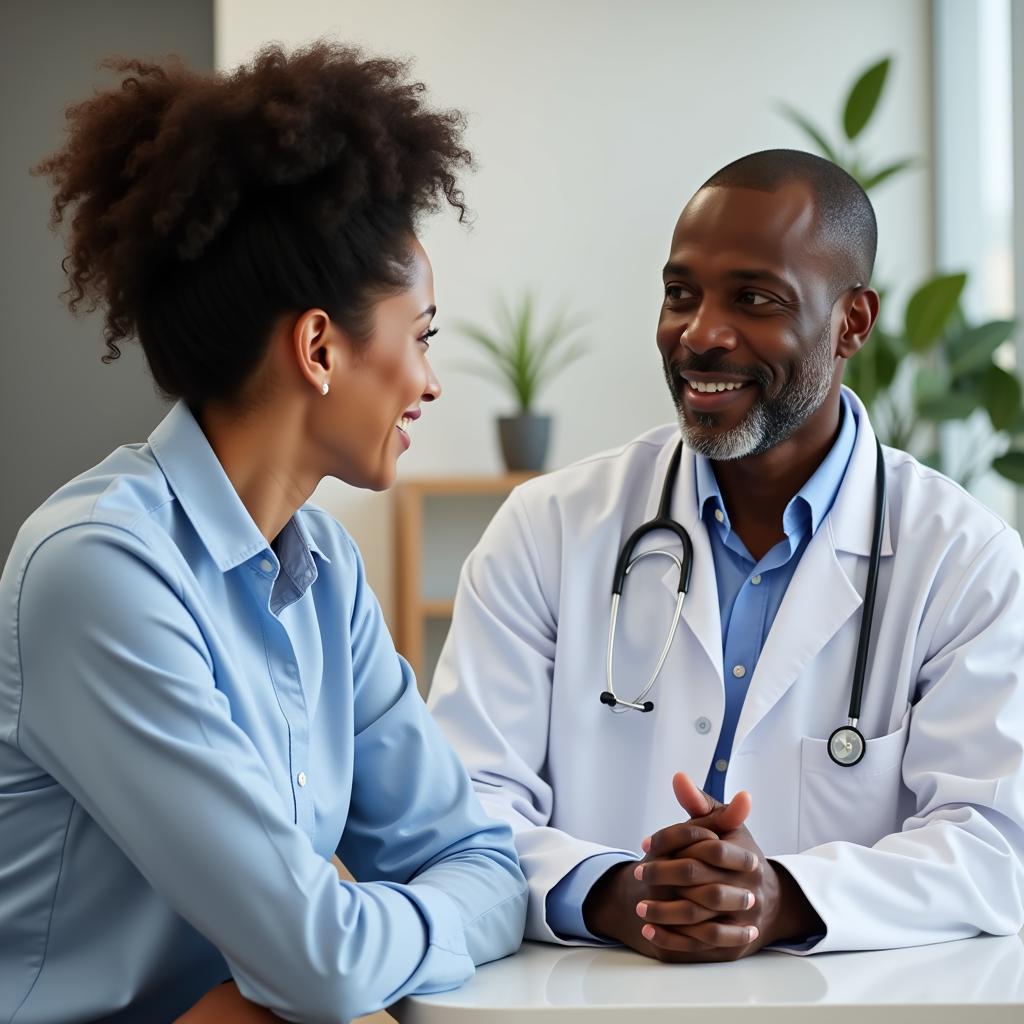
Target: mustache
x,y
698,364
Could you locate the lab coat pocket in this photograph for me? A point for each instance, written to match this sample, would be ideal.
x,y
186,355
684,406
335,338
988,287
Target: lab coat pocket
x,y
857,804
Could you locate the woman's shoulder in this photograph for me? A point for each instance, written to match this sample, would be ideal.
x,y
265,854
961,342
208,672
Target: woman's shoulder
x,y
120,496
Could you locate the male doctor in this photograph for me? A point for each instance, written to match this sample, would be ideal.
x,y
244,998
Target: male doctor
x,y
921,840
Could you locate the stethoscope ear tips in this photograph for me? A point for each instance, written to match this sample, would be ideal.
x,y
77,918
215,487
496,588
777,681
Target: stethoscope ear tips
x,y
607,697
648,705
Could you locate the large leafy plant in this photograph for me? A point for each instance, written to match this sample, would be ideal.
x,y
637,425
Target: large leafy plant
x,y
524,354
931,367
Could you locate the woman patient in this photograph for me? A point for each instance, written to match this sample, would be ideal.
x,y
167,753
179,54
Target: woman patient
x,y
200,703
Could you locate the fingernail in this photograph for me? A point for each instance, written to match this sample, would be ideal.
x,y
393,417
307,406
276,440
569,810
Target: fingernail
x,y
748,901
647,932
751,933
641,909
638,872
645,844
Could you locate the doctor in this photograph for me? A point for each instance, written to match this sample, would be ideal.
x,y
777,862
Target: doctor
x,y
910,830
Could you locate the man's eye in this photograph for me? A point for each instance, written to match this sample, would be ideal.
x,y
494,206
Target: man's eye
x,y
749,298
677,292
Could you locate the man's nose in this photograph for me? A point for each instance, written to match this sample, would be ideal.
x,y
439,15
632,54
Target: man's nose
x,y
707,329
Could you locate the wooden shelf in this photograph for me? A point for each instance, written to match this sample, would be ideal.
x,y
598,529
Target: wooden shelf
x,y
437,608
430,525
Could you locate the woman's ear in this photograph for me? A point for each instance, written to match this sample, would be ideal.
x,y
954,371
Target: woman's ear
x,y
315,348
860,311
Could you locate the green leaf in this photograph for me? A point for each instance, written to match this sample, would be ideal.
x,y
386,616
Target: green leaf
x,y
952,406
930,383
1011,466
863,98
813,133
876,179
972,349
930,309
1000,393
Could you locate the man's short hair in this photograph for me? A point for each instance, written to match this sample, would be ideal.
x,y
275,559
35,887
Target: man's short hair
x,y
845,218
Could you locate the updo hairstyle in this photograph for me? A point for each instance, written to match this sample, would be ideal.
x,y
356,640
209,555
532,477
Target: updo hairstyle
x,y
205,206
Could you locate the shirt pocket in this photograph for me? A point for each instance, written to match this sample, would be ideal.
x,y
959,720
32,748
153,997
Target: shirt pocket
x,y
857,804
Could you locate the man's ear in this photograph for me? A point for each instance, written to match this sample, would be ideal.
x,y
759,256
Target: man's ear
x,y
859,313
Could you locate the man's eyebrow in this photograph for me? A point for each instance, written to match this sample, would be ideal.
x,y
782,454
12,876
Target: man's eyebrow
x,y
760,274
679,269
428,312
673,269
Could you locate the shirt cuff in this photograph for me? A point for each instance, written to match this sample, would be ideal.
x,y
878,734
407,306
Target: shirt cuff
x,y
564,903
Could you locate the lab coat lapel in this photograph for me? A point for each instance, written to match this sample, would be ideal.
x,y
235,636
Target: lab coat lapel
x,y
821,597
700,616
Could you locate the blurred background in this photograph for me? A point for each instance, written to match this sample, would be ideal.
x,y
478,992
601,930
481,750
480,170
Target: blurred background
x,y
592,122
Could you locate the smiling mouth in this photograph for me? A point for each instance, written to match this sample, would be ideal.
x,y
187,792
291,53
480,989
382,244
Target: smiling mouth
x,y
712,387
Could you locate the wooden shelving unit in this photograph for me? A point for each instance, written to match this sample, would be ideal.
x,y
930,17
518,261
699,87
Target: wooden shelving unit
x,y
438,520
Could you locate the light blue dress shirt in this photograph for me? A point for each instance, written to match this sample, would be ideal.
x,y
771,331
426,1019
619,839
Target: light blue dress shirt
x,y
191,723
749,597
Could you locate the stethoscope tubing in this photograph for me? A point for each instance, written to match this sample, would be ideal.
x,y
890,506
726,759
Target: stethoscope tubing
x,y
846,745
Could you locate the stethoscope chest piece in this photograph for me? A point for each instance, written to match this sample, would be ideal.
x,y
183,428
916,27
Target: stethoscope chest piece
x,y
846,746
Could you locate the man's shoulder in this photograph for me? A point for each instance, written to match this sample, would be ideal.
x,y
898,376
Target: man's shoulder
x,y
942,532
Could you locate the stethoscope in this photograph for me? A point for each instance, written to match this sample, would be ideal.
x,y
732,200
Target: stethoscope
x,y
846,744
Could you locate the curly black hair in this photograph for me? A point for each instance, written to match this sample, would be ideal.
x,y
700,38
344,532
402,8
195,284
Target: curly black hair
x,y
208,205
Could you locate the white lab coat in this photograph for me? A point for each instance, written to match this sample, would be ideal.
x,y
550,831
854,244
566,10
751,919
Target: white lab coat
x,y
923,841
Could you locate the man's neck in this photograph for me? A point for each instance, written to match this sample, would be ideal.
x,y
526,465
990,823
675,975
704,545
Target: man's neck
x,y
757,489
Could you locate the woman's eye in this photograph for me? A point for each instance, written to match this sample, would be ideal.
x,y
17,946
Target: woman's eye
x,y
749,298
427,335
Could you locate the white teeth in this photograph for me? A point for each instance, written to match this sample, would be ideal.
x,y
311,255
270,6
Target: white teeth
x,y
714,386
404,422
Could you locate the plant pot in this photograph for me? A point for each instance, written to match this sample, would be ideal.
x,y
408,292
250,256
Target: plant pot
x,y
524,441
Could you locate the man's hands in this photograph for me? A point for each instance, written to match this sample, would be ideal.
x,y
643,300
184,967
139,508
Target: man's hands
x,y
704,892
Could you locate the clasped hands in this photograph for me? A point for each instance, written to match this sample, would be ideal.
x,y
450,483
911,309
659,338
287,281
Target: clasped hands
x,y
704,891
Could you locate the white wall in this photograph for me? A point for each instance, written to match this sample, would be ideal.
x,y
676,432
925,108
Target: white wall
x,y
592,122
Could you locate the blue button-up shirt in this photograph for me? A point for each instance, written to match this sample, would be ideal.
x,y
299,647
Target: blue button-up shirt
x,y
192,721
749,596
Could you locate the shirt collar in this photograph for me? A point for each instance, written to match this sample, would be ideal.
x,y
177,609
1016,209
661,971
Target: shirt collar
x,y
207,496
811,503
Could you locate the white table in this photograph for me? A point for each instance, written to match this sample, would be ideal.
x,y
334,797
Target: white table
x,y
973,981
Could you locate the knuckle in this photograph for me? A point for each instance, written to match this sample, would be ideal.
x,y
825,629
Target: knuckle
x,y
690,913
688,872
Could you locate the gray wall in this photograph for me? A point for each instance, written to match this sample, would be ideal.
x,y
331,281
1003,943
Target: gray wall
x,y
61,409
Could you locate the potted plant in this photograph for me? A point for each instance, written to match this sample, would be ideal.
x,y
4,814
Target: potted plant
x,y
932,369
524,354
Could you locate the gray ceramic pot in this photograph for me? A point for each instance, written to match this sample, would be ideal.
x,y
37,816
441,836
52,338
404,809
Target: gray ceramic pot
x,y
524,440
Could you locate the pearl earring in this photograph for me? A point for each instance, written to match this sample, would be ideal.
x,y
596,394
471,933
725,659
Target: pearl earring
x,y
324,388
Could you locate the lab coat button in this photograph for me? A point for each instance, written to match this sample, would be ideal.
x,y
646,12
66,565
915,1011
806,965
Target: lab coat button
x,y
702,725
301,778
721,764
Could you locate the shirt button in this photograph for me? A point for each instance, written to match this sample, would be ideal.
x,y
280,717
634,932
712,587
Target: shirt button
x,y
719,515
721,764
301,778
755,580
739,671
266,565
702,725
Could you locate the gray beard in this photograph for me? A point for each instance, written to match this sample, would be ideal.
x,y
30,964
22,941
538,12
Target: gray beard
x,y
770,421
